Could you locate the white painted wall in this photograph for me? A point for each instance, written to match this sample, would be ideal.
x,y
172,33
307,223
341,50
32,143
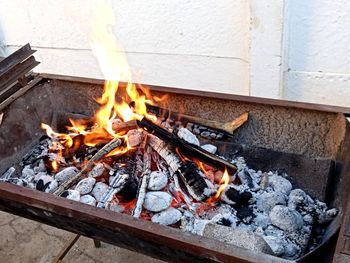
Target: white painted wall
x,y
290,49
318,63
197,44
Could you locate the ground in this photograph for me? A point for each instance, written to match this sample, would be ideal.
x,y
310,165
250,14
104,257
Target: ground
x,y
26,241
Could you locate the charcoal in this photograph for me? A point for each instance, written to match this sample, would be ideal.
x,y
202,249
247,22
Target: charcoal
x,y
88,199
27,172
196,131
157,201
113,206
247,179
86,185
37,152
71,194
189,126
245,213
268,200
66,174
210,148
98,190
43,182
235,197
205,134
97,171
196,182
129,190
188,136
167,217
157,181
51,187
280,184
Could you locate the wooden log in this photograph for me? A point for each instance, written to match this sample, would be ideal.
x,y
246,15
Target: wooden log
x,y
75,179
147,158
228,127
198,186
119,127
188,150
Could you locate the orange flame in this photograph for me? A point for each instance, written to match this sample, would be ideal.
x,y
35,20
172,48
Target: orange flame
x,y
114,66
54,165
223,184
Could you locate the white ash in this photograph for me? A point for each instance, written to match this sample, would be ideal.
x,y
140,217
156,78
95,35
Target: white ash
x,y
167,217
280,184
71,194
286,219
86,185
98,170
238,237
210,148
188,136
40,167
268,200
99,189
66,174
157,181
157,201
8,173
88,199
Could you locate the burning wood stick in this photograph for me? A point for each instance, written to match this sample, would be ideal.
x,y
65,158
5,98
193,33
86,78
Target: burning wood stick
x,y
124,126
147,158
75,179
228,127
199,187
189,150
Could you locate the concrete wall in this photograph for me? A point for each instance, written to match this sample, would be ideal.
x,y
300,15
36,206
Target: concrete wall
x,y
290,49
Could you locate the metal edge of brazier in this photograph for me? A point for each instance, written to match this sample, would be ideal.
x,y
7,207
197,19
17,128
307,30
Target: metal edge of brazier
x,y
122,230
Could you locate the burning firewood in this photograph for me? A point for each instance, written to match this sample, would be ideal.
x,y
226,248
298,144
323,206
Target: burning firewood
x,y
101,153
144,182
187,149
196,183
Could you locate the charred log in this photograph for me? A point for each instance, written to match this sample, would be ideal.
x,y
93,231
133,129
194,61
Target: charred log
x,y
196,183
198,186
187,149
147,159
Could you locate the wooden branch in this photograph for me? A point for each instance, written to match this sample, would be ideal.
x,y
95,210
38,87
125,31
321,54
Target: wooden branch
x,y
147,158
228,127
75,179
187,149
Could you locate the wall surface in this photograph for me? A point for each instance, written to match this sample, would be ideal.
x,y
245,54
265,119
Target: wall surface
x,y
291,49
200,44
318,43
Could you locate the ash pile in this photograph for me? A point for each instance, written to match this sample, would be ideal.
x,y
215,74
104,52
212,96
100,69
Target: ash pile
x,y
161,172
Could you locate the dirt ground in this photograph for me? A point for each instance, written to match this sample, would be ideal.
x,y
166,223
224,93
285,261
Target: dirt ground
x,y
27,241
